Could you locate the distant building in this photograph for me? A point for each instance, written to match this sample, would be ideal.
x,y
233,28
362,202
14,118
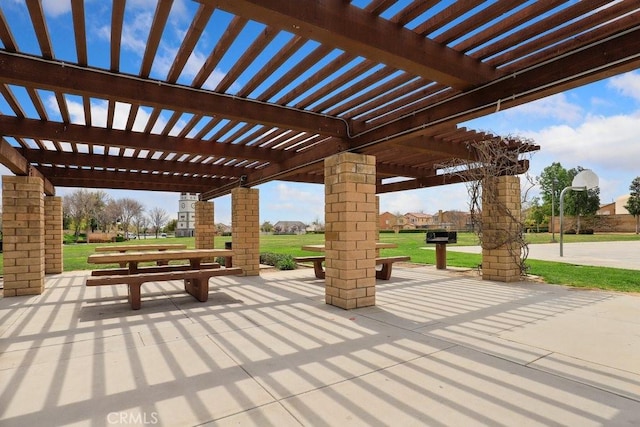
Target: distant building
x,y
608,209
186,215
418,220
389,221
222,228
620,205
296,227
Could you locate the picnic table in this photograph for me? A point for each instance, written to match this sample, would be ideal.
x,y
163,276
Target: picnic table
x,y
386,262
141,247
320,248
196,273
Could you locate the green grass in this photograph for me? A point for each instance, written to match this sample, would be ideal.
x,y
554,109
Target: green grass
x,y
411,244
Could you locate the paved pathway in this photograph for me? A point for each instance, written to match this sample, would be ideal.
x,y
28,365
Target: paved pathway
x,y
603,254
440,348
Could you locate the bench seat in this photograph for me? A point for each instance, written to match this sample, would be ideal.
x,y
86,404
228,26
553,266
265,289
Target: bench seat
x,y
383,274
196,281
387,263
153,269
317,264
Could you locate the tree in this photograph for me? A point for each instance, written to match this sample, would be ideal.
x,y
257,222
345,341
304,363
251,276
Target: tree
x,y
535,213
266,227
171,226
582,202
158,217
80,206
112,213
633,204
553,180
130,208
140,222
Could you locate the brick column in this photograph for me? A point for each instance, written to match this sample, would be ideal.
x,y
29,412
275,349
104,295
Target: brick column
x,y
205,228
500,261
23,235
350,233
377,223
53,235
245,230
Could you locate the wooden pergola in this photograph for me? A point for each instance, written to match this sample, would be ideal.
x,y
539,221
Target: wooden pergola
x,y
363,96
382,77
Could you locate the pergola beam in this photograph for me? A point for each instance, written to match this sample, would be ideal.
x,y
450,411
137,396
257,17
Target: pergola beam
x,y
83,81
344,26
65,132
91,178
601,60
443,179
587,65
130,163
16,163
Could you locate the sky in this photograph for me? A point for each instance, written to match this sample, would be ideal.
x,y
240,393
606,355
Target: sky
x,y
595,126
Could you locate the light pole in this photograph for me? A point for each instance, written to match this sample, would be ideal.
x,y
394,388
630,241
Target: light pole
x,y
564,190
553,210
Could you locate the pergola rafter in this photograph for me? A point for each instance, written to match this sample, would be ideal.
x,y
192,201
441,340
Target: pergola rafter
x,y
288,83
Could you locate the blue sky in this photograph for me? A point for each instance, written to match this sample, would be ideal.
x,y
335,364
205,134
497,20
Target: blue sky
x,y
595,126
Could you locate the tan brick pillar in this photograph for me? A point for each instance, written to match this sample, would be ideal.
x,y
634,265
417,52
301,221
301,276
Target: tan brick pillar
x,y
205,228
53,239
377,223
500,261
23,235
350,233
245,230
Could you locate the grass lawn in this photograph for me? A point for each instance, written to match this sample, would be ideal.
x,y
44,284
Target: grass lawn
x,y
75,256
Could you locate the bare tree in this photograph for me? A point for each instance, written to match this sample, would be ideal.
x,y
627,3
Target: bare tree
x,y
96,209
80,206
112,214
158,217
130,208
140,222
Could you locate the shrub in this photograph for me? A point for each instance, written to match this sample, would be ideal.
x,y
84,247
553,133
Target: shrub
x,y
586,231
570,231
268,258
286,263
279,261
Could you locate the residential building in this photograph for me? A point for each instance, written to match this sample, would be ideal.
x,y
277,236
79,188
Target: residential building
x,y
418,219
296,227
389,221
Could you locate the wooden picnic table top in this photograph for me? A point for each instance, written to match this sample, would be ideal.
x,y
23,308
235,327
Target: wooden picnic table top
x,y
320,248
141,247
168,255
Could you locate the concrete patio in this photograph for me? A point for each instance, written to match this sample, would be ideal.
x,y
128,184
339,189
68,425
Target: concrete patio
x,y
439,348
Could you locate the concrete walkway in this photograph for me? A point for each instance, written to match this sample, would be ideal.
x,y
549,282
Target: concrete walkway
x,y
441,348
604,254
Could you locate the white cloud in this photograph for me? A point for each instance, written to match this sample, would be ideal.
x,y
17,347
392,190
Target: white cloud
x,y
283,201
55,8
627,84
556,107
604,142
136,32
